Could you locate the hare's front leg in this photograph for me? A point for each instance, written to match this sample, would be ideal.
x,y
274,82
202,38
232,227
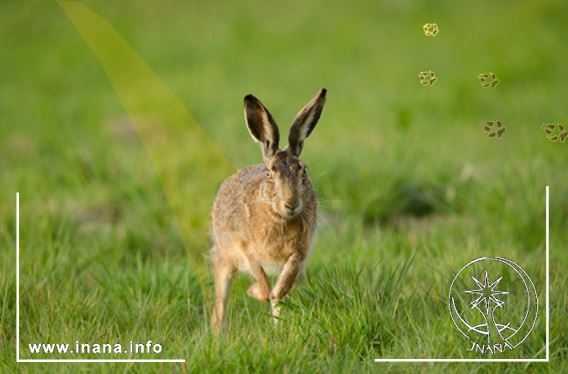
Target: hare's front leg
x,y
223,274
285,282
261,289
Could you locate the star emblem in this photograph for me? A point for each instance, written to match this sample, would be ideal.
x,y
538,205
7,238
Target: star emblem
x,y
487,293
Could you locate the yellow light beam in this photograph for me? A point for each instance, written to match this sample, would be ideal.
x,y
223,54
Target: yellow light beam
x,y
190,166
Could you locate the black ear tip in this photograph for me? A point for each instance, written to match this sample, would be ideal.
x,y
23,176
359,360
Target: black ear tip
x,y
249,98
323,92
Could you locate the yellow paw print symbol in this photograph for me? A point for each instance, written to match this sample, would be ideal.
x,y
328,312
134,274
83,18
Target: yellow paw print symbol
x,y
427,78
494,129
555,132
430,29
488,80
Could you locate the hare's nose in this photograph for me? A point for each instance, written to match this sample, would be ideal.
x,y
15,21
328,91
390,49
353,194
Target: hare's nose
x,y
290,208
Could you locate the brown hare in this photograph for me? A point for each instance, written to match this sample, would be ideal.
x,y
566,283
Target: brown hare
x,y
264,216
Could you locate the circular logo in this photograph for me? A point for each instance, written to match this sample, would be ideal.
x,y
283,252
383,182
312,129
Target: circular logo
x,y
494,304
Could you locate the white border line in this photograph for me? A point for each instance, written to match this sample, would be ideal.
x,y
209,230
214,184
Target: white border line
x,y
17,277
18,312
547,359
101,360
547,275
461,360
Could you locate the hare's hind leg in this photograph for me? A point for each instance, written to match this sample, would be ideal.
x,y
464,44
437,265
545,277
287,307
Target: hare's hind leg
x,y
223,273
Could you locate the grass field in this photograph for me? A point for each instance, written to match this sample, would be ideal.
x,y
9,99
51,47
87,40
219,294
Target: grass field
x,y
410,187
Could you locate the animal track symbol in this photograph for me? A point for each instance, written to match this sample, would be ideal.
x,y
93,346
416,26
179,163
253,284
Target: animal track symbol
x,y
489,80
555,132
494,129
427,78
430,29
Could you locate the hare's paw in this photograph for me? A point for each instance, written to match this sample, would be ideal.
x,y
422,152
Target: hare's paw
x,y
275,310
257,292
217,324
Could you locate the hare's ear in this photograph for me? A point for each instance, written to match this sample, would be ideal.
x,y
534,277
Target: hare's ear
x,y
305,122
261,125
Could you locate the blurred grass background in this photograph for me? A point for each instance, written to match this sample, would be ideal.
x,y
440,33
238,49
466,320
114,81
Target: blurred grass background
x,y
403,172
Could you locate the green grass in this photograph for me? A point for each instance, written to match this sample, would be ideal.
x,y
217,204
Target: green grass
x,y
410,187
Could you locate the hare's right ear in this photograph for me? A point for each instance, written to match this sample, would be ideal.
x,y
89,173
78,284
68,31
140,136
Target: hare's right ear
x,y
305,122
261,125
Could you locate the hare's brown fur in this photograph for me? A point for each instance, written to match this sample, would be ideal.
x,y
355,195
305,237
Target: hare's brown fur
x,y
264,216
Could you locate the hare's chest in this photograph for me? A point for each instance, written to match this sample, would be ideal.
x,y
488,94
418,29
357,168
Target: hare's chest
x,y
270,267
278,242
272,255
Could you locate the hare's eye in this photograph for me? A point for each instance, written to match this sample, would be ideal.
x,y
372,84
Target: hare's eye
x,y
268,174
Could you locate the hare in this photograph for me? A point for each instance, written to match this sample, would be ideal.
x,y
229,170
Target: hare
x,y
264,216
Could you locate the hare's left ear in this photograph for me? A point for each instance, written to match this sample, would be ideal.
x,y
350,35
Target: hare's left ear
x,y
261,126
305,122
